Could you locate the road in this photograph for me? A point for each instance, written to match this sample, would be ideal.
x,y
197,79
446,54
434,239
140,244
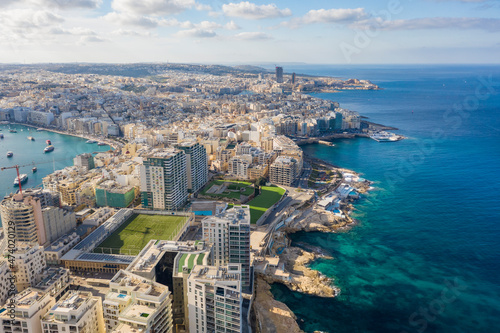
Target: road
x,y
281,206
304,176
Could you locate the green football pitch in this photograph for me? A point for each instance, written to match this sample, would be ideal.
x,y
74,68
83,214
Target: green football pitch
x,y
135,233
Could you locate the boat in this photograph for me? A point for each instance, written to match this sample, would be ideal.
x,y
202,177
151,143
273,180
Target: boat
x,y
48,142
10,154
90,141
12,131
34,169
384,137
40,129
48,149
102,144
21,179
1,135
31,138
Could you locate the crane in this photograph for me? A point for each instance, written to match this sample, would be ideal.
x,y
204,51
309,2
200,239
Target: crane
x,y
29,164
17,170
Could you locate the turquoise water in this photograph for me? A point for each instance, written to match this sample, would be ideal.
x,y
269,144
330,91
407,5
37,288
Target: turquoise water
x,y
425,254
27,152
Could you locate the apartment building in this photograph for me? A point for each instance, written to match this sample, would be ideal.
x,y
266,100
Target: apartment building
x,y
164,182
136,303
229,232
283,171
27,308
196,164
76,311
214,299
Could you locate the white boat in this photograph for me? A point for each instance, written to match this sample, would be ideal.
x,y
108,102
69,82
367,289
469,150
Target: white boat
x,y
22,179
384,137
91,141
48,149
10,154
40,129
102,144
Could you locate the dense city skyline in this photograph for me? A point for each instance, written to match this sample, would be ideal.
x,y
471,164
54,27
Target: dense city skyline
x,y
340,32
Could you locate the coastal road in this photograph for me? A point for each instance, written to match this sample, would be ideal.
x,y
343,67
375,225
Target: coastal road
x,y
304,176
281,206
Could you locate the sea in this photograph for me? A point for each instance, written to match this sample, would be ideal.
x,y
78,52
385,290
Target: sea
x,y
28,154
424,254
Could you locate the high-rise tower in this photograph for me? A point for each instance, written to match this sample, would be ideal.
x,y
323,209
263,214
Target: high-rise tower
x,y
164,182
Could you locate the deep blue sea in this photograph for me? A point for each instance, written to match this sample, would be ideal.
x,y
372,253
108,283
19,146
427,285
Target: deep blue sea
x,y
425,253
30,153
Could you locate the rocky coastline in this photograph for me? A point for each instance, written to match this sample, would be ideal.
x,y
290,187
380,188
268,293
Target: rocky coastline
x,y
297,258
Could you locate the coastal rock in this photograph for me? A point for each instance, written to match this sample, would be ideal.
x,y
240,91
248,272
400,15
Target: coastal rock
x,y
270,314
303,278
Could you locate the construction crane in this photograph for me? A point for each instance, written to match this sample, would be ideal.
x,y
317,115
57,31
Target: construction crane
x,y
29,164
17,170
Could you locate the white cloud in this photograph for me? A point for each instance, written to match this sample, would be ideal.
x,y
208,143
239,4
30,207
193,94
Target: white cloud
x,y
60,4
488,24
251,11
334,15
252,36
152,7
79,31
25,23
231,26
203,7
67,4
91,39
131,19
133,33
196,33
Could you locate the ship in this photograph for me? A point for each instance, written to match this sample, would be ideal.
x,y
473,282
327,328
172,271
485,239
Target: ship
x,y
12,131
48,149
34,169
1,135
40,129
21,179
385,137
48,142
31,138
90,141
102,144
10,154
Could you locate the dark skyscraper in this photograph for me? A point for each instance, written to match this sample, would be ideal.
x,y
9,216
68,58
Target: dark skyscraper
x,y
293,78
279,74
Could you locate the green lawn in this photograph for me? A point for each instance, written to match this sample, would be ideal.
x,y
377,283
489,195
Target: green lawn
x,y
269,195
234,185
135,233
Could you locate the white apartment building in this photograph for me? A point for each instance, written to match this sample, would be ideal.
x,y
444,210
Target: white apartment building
x,y
230,234
136,303
40,117
214,299
238,167
29,306
76,311
164,182
29,262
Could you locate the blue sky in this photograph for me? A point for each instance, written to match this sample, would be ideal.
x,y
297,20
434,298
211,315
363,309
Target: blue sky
x,y
202,31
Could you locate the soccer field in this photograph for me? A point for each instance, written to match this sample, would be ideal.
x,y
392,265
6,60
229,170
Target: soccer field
x,y
135,233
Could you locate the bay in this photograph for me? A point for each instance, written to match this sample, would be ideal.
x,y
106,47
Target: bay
x,y
433,221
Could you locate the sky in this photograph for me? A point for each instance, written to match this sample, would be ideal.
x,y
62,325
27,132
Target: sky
x,y
250,32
